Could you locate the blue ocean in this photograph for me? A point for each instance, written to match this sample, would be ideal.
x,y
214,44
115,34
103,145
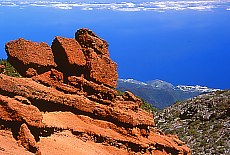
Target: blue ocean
x,y
181,42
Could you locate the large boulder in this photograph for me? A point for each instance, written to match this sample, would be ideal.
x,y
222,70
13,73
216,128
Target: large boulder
x,y
68,55
100,67
30,58
88,39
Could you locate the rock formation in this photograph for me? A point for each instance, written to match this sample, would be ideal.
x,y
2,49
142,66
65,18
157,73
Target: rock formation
x,y
67,103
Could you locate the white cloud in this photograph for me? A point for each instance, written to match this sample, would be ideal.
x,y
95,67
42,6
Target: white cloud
x,y
130,5
39,5
7,3
160,6
201,8
62,6
87,8
128,9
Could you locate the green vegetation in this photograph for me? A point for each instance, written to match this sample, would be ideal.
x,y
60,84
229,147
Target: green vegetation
x,y
119,93
218,92
205,129
148,107
9,69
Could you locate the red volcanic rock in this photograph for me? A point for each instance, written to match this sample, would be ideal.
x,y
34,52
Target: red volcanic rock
x,y
102,132
24,54
91,88
22,100
27,140
55,79
77,85
128,96
88,39
68,54
9,145
12,110
100,67
31,72
48,97
73,108
69,48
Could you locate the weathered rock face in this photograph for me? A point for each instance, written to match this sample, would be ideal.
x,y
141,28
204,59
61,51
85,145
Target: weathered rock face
x,y
100,67
12,110
130,97
68,55
88,39
72,107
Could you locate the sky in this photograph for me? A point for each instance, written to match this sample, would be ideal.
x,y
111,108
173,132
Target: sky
x,y
181,42
122,5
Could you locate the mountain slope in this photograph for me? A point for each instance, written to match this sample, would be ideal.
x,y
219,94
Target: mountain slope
x,y
202,122
160,93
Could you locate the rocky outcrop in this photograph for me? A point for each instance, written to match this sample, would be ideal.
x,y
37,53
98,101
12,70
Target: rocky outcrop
x,y
100,67
15,111
88,39
69,104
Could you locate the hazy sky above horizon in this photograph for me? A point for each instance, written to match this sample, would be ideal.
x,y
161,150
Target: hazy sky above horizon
x,y
181,42
122,5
